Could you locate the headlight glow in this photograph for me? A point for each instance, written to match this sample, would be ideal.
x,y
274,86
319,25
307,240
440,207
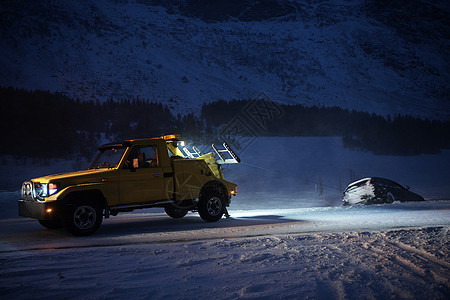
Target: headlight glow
x,y
42,190
52,188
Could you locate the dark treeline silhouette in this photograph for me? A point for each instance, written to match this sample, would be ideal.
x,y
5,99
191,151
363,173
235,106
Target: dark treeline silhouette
x,y
42,124
401,135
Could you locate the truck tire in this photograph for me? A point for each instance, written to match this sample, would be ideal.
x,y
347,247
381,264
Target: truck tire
x,y
83,218
174,212
211,207
51,224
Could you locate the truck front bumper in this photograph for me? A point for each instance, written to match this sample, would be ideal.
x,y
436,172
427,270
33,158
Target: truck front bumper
x,y
37,210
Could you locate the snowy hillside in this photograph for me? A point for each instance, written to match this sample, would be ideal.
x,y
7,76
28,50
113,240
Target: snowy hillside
x,y
364,55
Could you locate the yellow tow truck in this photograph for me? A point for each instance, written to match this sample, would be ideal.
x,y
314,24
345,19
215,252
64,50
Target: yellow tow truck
x,y
129,175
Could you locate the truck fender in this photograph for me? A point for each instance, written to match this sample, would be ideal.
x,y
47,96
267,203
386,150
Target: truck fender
x,y
215,185
75,188
84,192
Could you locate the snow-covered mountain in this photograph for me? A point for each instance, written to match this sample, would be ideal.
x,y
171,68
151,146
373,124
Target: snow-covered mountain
x,y
378,56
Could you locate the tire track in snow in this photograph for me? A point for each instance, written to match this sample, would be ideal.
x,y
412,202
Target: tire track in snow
x,y
384,260
417,266
414,259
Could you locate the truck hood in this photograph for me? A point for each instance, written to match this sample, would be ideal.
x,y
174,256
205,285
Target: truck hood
x,y
94,173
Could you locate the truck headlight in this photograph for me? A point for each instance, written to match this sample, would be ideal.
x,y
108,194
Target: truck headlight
x,y
52,188
42,190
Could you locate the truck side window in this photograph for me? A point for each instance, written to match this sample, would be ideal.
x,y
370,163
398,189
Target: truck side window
x,y
150,157
143,157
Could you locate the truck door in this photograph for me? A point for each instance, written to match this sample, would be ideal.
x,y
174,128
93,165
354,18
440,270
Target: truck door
x,y
142,178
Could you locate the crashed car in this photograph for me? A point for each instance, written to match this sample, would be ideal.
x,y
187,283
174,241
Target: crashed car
x,y
375,190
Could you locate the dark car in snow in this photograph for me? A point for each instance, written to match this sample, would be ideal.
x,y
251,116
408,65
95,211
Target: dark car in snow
x,y
376,190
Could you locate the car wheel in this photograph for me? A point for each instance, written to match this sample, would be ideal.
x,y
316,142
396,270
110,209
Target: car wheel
x,y
390,197
51,224
83,219
211,207
174,212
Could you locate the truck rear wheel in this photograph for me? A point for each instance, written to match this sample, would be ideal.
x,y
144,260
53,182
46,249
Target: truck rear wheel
x,y
211,207
83,219
174,212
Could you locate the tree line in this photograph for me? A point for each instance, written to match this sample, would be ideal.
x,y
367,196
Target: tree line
x,y
391,135
44,124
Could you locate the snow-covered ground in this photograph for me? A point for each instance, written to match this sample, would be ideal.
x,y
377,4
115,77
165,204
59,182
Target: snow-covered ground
x,y
288,236
398,251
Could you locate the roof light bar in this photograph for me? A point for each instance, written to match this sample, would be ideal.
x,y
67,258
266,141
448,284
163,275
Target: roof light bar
x,y
171,137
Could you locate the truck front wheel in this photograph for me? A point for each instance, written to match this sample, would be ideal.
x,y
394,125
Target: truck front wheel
x,y
211,207
83,219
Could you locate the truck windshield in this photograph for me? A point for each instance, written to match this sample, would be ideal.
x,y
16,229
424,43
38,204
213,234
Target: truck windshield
x,y
107,158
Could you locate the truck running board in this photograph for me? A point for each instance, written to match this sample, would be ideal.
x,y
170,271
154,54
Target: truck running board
x,y
128,208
